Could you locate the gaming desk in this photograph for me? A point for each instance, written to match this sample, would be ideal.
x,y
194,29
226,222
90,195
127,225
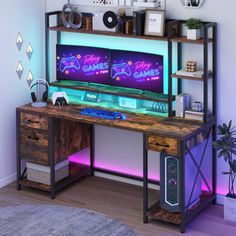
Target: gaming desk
x,y
51,133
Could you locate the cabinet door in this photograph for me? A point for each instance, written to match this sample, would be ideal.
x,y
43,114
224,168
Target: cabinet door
x,y
70,137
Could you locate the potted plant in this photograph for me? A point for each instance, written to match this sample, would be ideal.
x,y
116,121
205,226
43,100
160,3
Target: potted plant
x,y
226,148
193,28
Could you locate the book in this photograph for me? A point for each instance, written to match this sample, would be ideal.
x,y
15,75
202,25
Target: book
x,y
197,74
44,177
138,24
183,101
194,115
47,169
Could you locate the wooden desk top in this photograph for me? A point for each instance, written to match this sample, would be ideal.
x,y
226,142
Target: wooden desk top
x,y
178,128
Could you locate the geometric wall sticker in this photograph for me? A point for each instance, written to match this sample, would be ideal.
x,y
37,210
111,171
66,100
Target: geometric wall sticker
x,y
30,78
29,51
19,41
19,69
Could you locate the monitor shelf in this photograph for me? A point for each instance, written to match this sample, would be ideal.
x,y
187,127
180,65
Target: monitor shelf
x,y
112,90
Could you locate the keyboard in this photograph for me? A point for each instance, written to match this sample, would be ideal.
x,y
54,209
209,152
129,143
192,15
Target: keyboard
x,y
100,113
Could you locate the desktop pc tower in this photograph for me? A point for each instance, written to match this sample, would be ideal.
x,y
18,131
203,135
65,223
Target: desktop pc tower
x,y
170,183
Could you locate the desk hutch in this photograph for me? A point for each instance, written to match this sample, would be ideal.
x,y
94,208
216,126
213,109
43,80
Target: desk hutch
x,y
50,134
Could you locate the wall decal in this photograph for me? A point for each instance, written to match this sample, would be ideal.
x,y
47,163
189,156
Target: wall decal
x,y
19,69
29,51
19,41
30,78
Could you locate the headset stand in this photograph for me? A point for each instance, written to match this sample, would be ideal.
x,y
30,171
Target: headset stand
x,y
39,104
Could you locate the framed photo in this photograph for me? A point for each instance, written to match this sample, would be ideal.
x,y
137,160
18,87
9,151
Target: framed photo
x,y
154,23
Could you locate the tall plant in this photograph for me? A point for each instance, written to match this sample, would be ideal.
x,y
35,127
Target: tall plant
x,y
226,148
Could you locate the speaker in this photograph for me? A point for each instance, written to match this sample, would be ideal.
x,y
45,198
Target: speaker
x,y
170,183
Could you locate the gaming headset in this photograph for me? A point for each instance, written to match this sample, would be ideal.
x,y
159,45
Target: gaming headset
x,y
35,98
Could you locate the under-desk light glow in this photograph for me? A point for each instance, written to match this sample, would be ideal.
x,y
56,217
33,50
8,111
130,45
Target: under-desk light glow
x,y
29,51
19,41
30,78
19,69
82,157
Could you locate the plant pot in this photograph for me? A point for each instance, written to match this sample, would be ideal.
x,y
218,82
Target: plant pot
x,y
230,209
193,34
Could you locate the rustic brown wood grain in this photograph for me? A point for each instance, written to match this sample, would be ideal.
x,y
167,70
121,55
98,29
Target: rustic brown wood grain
x,y
34,121
161,144
177,128
34,145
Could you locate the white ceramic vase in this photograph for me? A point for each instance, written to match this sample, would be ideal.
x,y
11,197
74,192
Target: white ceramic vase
x,y
230,209
193,34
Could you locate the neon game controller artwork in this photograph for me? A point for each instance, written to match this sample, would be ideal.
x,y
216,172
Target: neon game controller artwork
x,y
120,69
69,63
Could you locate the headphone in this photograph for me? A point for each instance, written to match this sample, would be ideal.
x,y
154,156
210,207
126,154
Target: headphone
x,y
73,12
35,97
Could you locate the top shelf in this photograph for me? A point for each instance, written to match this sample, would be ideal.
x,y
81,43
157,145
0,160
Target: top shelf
x,y
105,33
115,34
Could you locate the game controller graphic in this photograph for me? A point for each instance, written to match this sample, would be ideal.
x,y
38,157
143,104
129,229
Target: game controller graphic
x,y
69,63
120,69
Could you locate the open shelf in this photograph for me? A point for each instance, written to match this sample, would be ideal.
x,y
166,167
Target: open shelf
x,y
184,39
158,213
189,77
76,171
104,33
112,90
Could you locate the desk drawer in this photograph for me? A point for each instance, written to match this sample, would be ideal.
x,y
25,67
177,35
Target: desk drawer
x,y
34,121
160,144
34,145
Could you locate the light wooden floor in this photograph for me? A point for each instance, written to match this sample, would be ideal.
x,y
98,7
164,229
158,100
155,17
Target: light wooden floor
x,y
121,201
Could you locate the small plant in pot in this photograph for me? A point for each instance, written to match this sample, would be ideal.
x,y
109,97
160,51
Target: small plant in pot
x,y
193,28
226,148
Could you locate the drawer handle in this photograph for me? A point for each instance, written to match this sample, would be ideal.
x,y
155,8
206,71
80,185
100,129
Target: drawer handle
x,y
163,145
34,122
33,138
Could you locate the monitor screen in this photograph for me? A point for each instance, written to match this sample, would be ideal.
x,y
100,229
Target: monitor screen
x,y
137,70
81,63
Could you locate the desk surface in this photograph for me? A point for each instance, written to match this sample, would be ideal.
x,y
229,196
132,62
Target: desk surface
x,y
178,128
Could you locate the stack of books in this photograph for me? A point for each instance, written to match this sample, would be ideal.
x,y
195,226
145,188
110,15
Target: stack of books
x,y
41,174
197,73
194,115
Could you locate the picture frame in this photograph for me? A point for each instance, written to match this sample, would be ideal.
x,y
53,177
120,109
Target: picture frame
x,y
154,23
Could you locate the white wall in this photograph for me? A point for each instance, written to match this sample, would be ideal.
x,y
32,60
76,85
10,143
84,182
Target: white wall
x,y
218,11
27,17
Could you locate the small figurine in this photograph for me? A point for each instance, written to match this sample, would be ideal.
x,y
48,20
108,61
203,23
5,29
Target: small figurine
x,y
121,20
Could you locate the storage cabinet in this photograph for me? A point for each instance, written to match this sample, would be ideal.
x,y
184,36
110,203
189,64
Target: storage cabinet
x,y
38,145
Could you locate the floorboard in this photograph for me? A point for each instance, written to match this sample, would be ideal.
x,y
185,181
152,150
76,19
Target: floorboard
x,y
121,201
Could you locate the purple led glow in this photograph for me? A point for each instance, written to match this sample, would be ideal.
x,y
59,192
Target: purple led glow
x,y
137,70
82,157
83,64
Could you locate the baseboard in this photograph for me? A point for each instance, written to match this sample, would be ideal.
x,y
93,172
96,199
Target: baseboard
x,y
125,180
7,180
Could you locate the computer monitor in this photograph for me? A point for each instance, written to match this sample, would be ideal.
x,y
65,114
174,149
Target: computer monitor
x,y
137,70
81,63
